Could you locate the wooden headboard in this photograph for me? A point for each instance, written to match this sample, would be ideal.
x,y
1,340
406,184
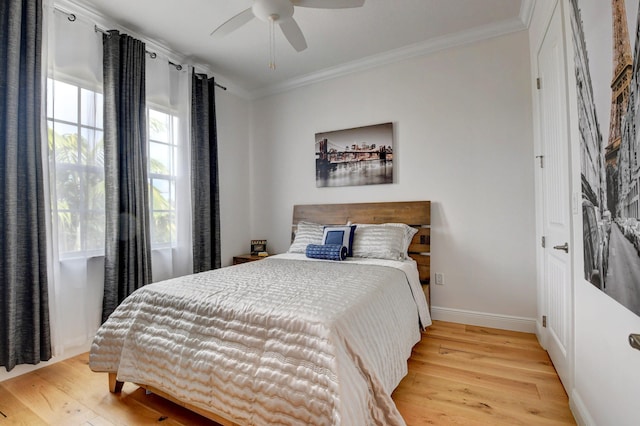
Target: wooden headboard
x,y
414,213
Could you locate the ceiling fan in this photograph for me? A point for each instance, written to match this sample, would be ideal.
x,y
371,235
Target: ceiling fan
x,y
281,12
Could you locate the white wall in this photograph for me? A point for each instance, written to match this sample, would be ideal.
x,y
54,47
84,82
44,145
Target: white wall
x,y
463,139
232,114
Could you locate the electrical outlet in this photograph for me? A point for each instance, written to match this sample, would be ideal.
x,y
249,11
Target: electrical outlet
x,y
439,278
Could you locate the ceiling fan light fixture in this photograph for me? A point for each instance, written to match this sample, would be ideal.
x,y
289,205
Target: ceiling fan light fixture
x,y
272,10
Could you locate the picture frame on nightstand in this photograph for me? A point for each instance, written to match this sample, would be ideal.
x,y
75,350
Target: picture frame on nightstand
x,y
258,246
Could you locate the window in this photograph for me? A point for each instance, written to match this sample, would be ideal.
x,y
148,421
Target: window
x,y
75,137
163,152
76,146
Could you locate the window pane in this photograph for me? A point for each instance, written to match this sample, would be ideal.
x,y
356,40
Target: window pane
x,y
68,231
69,188
162,228
158,126
95,230
65,102
160,158
161,195
172,199
50,139
176,167
88,111
92,147
99,110
66,143
79,168
94,189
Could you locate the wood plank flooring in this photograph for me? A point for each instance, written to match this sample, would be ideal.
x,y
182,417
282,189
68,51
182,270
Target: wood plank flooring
x,y
458,375
467,375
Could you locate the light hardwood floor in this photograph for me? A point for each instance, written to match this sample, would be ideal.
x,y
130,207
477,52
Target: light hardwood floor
x,y
458,374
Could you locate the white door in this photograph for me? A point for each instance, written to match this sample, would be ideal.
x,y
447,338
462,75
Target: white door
x,y
556,196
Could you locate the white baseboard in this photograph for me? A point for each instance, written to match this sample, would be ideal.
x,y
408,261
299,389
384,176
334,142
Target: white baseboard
x,y
503,322
28,368
579,410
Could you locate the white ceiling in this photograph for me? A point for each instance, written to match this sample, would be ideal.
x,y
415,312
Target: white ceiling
x,y
339,41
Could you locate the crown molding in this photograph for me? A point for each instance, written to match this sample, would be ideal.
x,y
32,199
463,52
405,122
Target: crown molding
x,y
526,11
403,53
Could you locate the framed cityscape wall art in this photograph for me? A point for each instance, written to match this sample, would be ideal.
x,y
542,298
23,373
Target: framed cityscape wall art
x,y
606,48
357,156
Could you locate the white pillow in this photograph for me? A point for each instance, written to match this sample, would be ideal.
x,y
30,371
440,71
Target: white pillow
x,y
307,233
409,232
379,242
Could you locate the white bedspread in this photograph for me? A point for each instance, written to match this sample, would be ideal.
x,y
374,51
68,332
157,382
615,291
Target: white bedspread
x,y
282,341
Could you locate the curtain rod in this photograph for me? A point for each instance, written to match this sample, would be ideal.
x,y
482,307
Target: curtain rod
x,y
152,55
70,16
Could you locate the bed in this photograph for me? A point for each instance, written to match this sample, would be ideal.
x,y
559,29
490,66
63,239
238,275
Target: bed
x,y
285,340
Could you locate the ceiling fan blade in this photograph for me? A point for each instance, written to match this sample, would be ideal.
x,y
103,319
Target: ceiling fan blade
x,y
234,23
293,33
329,4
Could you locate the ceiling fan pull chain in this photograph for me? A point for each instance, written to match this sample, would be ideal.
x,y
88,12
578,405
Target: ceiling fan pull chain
x,y
272,44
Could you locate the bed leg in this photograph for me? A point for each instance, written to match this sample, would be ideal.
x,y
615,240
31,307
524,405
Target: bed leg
x,y
115,386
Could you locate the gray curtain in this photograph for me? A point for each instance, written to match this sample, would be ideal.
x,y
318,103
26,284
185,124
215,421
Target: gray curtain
x,y
204,175
127,248
24,309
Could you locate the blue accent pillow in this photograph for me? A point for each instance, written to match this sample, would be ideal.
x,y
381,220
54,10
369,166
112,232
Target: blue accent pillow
x,y
342,235
327,251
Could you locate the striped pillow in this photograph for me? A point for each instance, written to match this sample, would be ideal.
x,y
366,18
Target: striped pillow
x,y
379,242
307,233
409,232
326,251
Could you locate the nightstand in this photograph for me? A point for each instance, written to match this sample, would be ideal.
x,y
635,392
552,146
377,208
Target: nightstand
x,y
427,293
244,258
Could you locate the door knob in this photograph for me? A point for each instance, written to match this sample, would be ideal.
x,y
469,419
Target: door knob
x,y
564,247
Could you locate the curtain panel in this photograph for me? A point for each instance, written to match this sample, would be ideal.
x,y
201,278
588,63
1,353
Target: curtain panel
x,y
74,211
204,175
169,105
24,310
127,241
